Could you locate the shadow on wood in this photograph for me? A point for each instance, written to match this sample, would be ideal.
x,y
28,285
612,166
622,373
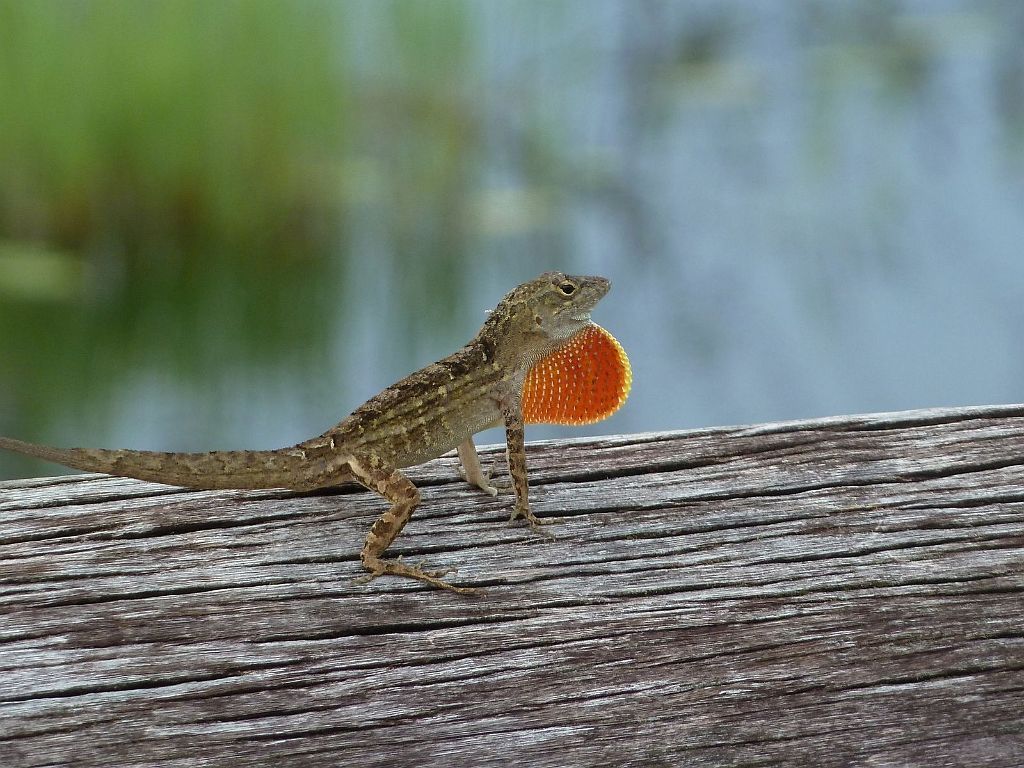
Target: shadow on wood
x,y
828,592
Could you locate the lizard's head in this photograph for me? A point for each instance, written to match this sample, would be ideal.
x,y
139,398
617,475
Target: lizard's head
x,y
558,305
547,311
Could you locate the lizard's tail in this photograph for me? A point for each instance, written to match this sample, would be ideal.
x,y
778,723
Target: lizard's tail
x,y
216,469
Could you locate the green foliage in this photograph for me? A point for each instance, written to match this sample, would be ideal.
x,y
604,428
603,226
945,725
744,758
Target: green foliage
x,y
177,181
127,124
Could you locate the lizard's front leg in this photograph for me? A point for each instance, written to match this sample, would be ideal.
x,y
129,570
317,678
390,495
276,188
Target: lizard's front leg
x,y
515,442
390,483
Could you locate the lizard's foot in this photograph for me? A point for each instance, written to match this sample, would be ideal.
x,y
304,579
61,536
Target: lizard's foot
x,y
499,486
379,567
534,521
482,480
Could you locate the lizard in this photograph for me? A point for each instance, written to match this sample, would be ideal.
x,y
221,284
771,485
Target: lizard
x,y
537,359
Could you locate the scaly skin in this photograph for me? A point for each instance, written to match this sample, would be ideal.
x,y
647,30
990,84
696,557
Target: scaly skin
x,y
426,414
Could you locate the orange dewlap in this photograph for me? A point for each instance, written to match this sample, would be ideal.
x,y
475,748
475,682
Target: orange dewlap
x,y
585,381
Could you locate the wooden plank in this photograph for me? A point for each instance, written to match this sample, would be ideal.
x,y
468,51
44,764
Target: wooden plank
x,y
829,592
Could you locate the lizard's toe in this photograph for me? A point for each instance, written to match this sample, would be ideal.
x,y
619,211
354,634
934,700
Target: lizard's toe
x,y
533,521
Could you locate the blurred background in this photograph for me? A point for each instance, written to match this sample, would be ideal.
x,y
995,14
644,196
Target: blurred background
x,y
226,224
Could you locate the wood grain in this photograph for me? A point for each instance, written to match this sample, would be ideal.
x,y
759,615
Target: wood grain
x,y
831,592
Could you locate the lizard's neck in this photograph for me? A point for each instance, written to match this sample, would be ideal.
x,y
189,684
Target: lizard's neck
x,y
514,345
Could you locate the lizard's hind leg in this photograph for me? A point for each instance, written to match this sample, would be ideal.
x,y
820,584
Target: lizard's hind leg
x,y
390,483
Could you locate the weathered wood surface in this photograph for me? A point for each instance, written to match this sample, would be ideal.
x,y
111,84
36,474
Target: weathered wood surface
x,y
831,592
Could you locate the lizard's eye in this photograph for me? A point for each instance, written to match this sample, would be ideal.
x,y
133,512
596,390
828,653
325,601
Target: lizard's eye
x,y
567,288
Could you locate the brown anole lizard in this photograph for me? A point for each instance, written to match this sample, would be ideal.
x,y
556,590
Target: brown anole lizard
x,y
537,359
